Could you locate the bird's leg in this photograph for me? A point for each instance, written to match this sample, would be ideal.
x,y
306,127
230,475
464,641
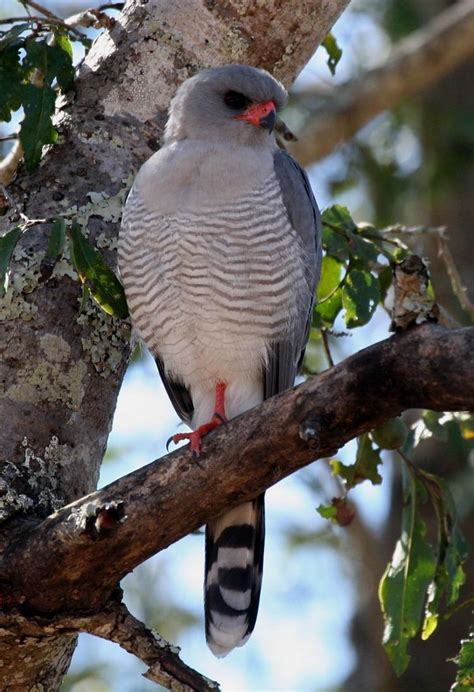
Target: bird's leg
x,y
219,417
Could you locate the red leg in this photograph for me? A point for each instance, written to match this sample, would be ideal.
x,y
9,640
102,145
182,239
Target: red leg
x,y
219,417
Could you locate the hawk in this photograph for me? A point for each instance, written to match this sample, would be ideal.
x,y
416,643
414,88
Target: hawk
x,y
220,253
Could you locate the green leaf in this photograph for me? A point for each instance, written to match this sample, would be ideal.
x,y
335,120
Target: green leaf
x,y
339,511
11,76
391,434
56,239
97,276
37,127
452,553
327,511
10,37
385,281
367,461
360,297
7,245
52,61
338,217
328,310
333,51
331,269
404,586
365,466
364,251
54,250
465,662
63,61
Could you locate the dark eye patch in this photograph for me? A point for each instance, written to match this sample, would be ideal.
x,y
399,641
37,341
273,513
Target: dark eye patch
x,y
236,100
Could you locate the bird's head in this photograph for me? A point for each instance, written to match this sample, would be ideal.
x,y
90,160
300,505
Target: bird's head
x,y
234,103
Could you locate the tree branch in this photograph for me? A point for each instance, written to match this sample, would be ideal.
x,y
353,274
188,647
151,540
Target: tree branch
x,y
416,63
116,624
81,552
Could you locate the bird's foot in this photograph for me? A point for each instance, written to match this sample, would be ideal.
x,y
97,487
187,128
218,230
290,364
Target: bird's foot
x,y
195,437
219,418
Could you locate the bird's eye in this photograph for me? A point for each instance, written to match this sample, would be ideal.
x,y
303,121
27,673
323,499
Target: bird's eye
x,y
236,100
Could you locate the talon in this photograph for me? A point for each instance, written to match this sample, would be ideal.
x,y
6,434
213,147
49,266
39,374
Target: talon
x,y
194,437
168,442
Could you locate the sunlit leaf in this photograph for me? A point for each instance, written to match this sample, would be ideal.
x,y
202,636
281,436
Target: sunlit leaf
x,y
360,297
328,310
365,466
404,586
331,270
327,511
333,51
97,276
53,61
7,245
465,663
451,555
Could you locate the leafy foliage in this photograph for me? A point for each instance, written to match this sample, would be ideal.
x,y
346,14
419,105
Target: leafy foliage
x,y
96,275
405,583
421,577
334,52
355,272
422,581
465,662
33,70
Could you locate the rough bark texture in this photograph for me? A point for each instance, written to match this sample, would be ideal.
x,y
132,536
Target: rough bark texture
x,y
89,545
417,63
61,368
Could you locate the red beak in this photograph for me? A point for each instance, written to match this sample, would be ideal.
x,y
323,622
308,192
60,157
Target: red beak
x,y
260,115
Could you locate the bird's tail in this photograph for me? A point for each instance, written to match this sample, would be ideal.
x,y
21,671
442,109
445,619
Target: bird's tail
x,y
234,564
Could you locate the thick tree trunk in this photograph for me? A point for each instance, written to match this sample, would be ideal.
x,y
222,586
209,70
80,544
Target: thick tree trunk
x,y
61,367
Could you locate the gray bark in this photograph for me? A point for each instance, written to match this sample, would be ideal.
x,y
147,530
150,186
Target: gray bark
x,y
60,368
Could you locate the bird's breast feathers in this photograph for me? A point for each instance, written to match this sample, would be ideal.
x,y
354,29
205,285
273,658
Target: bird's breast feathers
x,y
212,284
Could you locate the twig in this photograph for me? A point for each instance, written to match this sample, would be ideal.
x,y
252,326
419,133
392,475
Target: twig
x,y
324,336
456,283
51,18
116,624
6,138
166,668
39,8
399,229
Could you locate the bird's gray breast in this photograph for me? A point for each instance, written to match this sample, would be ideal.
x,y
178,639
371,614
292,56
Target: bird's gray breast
x,y
211,287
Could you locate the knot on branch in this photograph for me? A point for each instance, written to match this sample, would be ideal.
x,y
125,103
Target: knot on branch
x,y
103,519
413,298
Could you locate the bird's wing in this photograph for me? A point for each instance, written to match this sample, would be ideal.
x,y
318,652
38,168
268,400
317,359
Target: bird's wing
x,y
134,263
303,213
179,394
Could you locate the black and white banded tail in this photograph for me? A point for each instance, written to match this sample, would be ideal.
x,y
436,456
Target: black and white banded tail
x,y
233,578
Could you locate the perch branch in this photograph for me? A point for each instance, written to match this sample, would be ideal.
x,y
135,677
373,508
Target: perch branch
x,y
80,553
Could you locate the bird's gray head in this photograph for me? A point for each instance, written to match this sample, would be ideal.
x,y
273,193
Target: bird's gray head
x,y
235,103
